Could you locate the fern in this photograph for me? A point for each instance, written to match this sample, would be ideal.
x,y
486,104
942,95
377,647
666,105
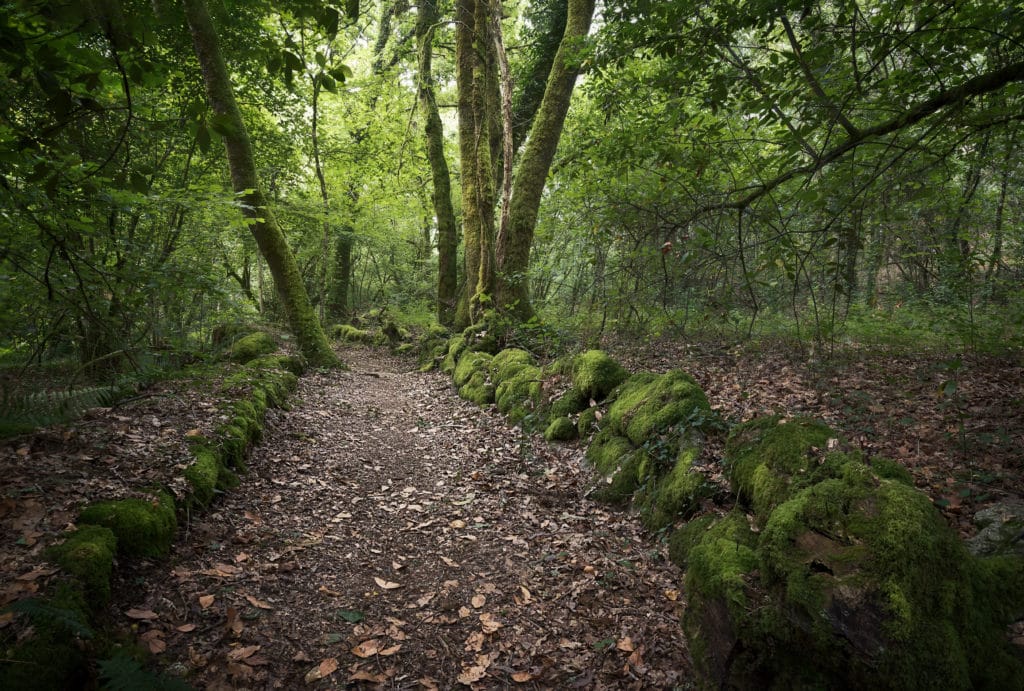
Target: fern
x,y
122,673
21,412
45,613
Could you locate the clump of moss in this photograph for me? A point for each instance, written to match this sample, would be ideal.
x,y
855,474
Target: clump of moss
x,y
769,458
143,527
675,495
290,363
560,429
569,403
456,346
595,374
252,346
508,363
520,394
469,364
587,422
349,334
648,404
88,555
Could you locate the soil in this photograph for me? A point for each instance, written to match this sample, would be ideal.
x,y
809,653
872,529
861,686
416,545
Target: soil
x,y
392,535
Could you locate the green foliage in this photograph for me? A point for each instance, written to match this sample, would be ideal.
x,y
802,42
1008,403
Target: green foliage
x,y
143,527
23,412
252,346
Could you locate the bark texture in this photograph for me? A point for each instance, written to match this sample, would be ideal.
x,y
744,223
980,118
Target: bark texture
x,y
271,241
447,237
514,253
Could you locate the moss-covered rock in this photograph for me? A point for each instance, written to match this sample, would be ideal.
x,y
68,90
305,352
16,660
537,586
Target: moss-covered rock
x,y
1000,530
859,573
88,555
349,334
595,374
470,363
560,429
520,395
289,363
769,458
456,346
143,527
675,495
252,346
569,403
507,363
587,423
648,404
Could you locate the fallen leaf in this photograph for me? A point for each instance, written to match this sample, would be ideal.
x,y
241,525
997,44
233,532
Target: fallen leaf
x,y
450,562
367,648
242,653
240,557
488,623
186,628
234,622
390,651
478,601
239,670
428,683
206,600
472,675
300,656
143,614
458,524
672,594
522,677
386,585
365,675
36,573
626,645
258,603
324,669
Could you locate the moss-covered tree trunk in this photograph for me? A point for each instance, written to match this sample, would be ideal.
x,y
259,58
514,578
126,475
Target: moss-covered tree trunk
x,y
271,241
513,254
474,62
341,281
447,239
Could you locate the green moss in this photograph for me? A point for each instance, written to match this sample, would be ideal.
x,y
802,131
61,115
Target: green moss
x,y
520,391
203,474
290,363
891,470
508,363
676,495
469,364
52,654
607,450
587,422
688,536
595,374
456,346
769,458
648,404
478,389
252,346
560,429
143,527
621,482
349,334
569,403
88,555
405,349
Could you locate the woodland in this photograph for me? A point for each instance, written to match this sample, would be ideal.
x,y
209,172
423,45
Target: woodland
x,y
498,343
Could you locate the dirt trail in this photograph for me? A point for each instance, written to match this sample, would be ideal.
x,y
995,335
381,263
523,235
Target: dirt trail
x,y
412,540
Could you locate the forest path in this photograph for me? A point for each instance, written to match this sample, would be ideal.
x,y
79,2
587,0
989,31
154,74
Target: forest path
x,y
390,534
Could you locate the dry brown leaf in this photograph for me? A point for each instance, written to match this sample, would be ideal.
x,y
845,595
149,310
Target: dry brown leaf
x,y
464,612
386,585
367,648
475,642
239,670
141,614
325,669
488,623
234,622
364,675
428,683
301,656
240,557
390,651
626,645
672,594
527,595
450,562
522,677
242,653
478,601
471,675
258,603
186,628
458,524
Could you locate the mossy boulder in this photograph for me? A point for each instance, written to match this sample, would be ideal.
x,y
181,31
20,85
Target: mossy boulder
x,y
648,404
674,495
569,403
560,429
208,474
143,527
595,374
88,555
349,333
252,346
858,573
520,395
472,378
456,346
587,423
1000,530
289,363
770,458
508,363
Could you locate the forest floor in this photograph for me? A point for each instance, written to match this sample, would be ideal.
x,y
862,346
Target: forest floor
x,y
391,535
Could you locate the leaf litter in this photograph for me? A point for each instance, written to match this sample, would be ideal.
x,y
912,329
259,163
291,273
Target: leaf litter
x,y
405,538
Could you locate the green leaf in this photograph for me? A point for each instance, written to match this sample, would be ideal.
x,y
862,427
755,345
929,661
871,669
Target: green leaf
x,y
329,83
293,61
350,615
139,183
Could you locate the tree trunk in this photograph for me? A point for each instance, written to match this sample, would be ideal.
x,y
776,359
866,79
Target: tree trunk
x,y
474,53
514,254
341,282
271,241
447,237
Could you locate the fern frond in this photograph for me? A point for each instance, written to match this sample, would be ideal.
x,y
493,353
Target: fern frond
x,y
122,673
42,612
